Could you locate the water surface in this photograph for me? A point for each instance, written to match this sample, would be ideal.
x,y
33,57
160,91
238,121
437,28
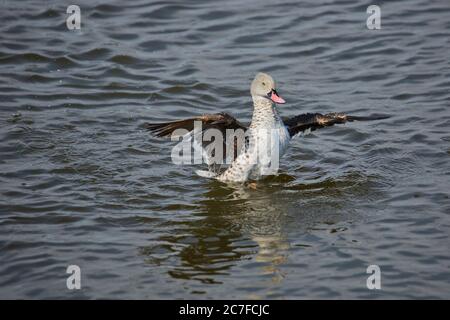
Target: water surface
x,y
82,183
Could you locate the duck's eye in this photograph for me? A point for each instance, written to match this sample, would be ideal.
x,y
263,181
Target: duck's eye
x,y
263,83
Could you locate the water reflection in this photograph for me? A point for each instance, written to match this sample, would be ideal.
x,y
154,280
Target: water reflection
x,y
261,217
232,227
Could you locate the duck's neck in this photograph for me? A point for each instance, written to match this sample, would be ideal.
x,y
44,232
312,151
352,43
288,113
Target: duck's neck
x,y
264,113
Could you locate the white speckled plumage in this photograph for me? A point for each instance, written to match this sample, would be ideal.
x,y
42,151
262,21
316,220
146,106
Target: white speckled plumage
x,y
268,135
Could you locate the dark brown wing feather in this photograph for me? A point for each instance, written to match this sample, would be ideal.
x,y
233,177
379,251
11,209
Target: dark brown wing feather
x,y
221,121
314,121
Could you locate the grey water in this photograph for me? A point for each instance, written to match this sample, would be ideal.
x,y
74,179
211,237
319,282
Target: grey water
x,y
82,183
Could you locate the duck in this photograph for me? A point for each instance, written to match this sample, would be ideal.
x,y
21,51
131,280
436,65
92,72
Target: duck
x,y
256,151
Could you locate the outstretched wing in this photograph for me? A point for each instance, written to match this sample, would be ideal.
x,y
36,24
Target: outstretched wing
x,y
313,121
220,121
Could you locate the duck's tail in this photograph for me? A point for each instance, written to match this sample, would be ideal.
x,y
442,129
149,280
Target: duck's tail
x,y
206,174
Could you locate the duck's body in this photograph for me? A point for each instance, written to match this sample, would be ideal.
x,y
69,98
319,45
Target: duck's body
x,y
271,140
266,138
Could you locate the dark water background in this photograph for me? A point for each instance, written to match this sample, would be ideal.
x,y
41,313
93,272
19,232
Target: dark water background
x,y
82,183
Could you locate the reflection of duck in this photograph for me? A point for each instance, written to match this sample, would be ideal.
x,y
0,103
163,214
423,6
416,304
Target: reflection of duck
x,y
234,232
273,251
236,224
263,220
266,138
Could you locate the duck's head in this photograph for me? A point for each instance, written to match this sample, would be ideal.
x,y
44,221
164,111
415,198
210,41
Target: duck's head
x,y
264,86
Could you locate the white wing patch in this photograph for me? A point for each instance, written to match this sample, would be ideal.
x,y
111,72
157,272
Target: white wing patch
x,y
206,174
195,139
302,133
